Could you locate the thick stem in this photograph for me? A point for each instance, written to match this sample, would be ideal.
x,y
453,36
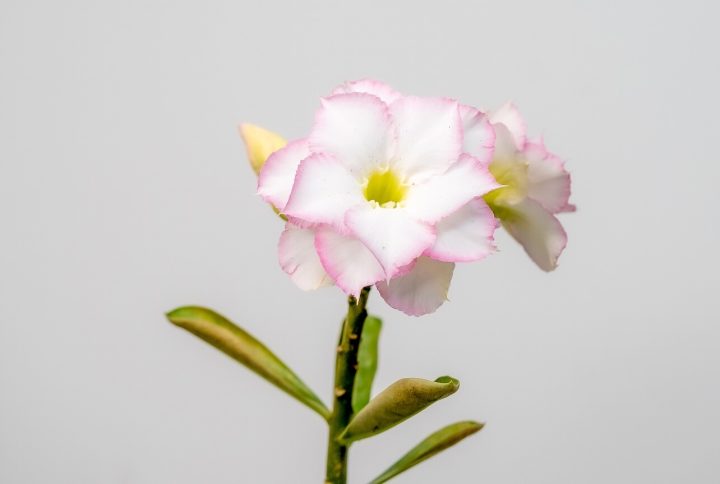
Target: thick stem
x,y
345,370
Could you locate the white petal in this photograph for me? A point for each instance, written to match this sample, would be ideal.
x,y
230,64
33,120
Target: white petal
x,y
350,264
443,194
356,129
420,291
391,234
300,260
510,117
478,133
278,173
466,235
429,136
505,148
387,94
548,181
538,231
323,191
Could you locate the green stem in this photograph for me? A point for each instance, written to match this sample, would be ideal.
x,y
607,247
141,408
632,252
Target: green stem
x,y
345,369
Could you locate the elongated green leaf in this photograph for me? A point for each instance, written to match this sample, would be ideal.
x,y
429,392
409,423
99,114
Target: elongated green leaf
x,y
397,403
367,362
243,347
433,444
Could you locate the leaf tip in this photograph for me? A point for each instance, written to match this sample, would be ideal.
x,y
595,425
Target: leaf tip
x,y
180,316
174,314
473,426
454,383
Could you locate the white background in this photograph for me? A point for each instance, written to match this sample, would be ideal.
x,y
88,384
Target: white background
x,y
124,192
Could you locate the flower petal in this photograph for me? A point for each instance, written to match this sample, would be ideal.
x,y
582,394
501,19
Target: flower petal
x,y
538,231
478,134
420,291
444,194
391,234
278,174
298,257
429,136
355,128
387,94
348,262
259,144
505,148
323,191
510,117
466,235
548,181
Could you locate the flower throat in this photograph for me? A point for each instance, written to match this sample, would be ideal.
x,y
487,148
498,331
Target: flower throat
x,y
384,188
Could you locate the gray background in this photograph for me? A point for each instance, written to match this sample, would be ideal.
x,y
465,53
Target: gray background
x,y
124,192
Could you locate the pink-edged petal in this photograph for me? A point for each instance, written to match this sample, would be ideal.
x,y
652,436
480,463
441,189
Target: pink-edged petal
x,y
277,175
538,231
478,133
429,134
441,195
466,235
302,223
348,262
297,255
387,94
420,291
391,234
405,269
323,191
510,116
567,208
356,129
548,180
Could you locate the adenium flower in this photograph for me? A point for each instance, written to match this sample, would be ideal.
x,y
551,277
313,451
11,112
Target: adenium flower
x,y
536,186
386,190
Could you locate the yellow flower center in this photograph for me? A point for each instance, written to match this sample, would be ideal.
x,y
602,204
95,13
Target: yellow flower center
x,y
385,188
512,174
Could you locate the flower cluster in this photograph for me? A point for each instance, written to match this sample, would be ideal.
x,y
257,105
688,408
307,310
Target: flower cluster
x,y
392,190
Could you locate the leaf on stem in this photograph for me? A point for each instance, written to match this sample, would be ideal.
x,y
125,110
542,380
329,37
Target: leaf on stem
x,y
367,363
397,403
244,348
433,444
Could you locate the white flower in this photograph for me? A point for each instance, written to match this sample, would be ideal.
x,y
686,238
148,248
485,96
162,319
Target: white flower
x,y
386,190
536,186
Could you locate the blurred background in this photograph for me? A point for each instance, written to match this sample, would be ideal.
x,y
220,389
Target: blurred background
x,y
125,192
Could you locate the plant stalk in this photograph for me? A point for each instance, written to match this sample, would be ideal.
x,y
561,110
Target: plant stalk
x,y
346,365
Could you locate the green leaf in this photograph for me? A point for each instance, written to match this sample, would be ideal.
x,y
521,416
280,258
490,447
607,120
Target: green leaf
x,y
244,348
433,444
397,403
367,362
